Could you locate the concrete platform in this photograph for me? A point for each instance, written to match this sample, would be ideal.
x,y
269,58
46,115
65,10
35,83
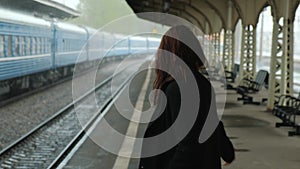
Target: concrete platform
x,y
258,144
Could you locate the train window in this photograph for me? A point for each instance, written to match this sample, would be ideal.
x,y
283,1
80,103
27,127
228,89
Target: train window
x,y
44,45
28,44
16,46
33,46
65,45
69,45
1,46
22,46
41,45
49,45
9,46
38,45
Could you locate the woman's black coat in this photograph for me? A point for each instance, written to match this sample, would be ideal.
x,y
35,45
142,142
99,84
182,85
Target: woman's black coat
x,y
189,153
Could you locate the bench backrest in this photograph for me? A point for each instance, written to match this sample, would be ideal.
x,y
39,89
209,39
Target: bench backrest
x,y
236,69
262,77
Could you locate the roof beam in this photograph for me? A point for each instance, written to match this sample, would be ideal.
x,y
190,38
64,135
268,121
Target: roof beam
x,y
222,9
198,16
279,8
249,11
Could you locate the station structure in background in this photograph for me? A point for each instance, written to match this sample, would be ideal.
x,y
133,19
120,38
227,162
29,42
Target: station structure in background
x,y
213,16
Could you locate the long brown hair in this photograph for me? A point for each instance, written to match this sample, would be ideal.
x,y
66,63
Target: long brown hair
x,y
179,42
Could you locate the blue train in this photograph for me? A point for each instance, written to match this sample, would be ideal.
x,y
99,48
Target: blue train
x,y
34,51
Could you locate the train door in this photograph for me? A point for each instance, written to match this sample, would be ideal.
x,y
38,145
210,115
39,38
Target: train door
x,y
87,44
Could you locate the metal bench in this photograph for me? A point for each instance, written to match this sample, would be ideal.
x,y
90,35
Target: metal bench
x,y
249,87
287,108
230,77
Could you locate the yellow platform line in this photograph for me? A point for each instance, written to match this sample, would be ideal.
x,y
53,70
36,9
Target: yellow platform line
x,y
122,161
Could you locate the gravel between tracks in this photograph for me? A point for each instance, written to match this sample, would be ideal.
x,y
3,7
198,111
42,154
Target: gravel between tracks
x,y
20,117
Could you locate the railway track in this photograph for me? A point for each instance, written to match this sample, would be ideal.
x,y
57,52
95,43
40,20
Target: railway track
x,y
5,100
47,144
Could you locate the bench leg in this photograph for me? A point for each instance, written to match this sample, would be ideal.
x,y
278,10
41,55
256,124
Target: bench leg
x,y
296,132
246,98
229,87
283,124
251,102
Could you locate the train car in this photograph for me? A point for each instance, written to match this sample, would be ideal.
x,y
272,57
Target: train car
x,y
34,51
118,46
25,45
25,49
70,42
153,44
95,44
121,47
138,44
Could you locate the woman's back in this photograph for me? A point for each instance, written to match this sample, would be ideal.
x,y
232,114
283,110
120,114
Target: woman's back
x,y
189,152
190,99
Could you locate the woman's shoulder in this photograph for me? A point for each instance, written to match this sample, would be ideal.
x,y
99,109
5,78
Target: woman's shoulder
x,y
171,86
202,79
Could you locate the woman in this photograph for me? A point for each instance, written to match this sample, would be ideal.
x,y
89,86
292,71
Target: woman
x,y
188,153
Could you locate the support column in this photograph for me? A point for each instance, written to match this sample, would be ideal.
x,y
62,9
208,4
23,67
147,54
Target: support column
x,y
288,58
281,68
216,45
212,57
275,67
248,53
228,49
282,65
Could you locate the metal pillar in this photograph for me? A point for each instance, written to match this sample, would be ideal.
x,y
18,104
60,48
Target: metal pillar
x,y
261,37
281,69
216,45
206,48
228,50
212,57
282,65
288,41
248,53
